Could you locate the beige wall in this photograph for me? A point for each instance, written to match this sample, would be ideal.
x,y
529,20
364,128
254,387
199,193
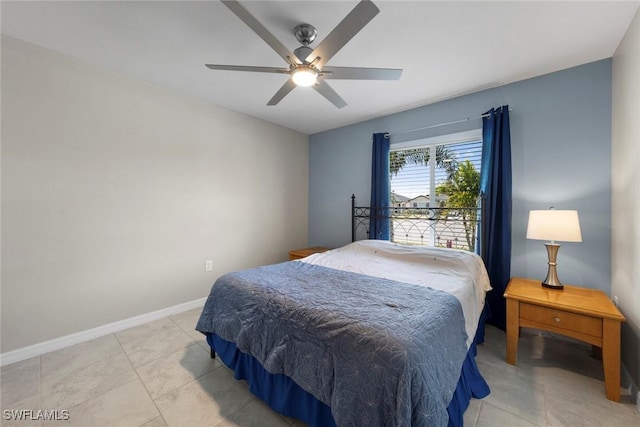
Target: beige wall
x,y
625,215
115,192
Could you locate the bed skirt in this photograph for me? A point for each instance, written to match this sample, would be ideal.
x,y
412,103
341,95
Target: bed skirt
x,y
286,397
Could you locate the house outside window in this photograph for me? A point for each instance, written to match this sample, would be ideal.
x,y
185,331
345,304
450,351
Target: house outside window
x,y
435,188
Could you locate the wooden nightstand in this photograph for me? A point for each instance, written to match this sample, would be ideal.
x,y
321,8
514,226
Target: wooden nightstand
x,y
302,253
585,314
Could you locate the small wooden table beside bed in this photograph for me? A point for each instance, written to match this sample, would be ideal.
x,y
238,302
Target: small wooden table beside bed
x,y
370,334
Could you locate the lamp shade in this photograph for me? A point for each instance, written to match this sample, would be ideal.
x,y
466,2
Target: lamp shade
x,y
553,225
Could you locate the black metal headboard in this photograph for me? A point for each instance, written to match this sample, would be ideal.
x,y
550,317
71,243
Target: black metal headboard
x,y
443,227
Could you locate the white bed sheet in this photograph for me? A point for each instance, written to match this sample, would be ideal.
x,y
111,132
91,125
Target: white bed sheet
x,y
460,273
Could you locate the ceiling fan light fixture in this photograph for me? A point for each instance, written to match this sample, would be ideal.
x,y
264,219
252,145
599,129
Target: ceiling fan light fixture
x,y
304,76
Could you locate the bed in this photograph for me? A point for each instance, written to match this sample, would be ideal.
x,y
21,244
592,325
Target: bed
x,y
370,334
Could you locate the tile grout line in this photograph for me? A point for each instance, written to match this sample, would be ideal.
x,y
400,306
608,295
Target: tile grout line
x,y
477,417
163,354
477,420
516,415
544,400
40,382
143,384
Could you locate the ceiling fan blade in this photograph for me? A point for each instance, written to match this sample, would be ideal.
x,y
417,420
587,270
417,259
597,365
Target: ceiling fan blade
x,y
359,73
343,32
284,91
248,68
327,91
261,30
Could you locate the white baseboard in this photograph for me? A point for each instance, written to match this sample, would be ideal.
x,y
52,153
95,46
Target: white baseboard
x,y
69,340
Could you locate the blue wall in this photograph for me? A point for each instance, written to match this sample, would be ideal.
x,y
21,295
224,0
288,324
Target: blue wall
x,y
561,154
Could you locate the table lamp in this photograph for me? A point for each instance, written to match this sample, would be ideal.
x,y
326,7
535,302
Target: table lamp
x,y
553,225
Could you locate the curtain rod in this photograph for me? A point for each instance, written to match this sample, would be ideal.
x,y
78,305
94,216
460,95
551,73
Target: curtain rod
x,y
439,125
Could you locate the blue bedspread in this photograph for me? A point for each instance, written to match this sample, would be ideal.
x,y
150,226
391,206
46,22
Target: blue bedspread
x,y
379,352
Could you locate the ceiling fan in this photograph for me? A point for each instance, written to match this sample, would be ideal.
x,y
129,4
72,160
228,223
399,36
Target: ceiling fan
x,y
306,64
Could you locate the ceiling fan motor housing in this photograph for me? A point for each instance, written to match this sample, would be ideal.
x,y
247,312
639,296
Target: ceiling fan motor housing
x,y
302,52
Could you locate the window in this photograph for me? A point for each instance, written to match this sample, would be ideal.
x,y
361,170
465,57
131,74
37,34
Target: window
x,y
436,202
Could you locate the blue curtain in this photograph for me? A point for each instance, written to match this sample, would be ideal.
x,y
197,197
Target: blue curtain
x,y
380,188
495,185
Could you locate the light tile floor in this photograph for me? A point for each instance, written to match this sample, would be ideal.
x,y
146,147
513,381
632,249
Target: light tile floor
x,y
160,374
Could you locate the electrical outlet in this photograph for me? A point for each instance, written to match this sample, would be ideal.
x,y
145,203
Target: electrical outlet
x,y
208,265
615,300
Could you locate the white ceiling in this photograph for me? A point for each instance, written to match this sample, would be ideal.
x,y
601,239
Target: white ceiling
x,y
446,48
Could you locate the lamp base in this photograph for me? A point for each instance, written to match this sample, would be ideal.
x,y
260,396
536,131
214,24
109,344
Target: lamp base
x,y
552,281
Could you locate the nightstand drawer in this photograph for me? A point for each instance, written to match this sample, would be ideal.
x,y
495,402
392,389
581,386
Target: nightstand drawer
x,y
561,319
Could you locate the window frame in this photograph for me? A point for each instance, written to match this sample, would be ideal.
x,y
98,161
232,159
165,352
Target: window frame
x,y
472,135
